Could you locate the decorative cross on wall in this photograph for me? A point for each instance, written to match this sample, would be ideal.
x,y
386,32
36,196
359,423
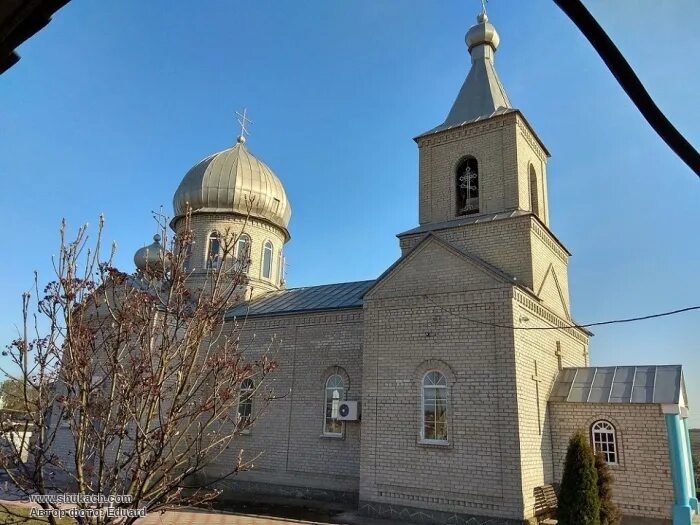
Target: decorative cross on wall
x,y
537,380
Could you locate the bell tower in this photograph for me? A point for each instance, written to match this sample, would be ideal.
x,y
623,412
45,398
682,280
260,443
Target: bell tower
x,y
485,158
483,181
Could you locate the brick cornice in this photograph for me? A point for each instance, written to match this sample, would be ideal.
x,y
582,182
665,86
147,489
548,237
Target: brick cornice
x,y
467,130
550,317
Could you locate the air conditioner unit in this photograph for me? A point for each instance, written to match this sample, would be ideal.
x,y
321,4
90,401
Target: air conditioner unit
x,y
348,411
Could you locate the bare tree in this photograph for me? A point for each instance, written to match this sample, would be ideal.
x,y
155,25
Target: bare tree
x,y
132,382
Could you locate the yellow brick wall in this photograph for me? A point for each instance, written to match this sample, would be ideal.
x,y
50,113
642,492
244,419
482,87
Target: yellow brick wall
x,y
642,480
406,334
287,436
520,246
504,147
534,419
203,224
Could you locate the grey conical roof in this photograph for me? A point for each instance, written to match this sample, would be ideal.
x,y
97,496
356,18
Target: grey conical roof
x,y
482,94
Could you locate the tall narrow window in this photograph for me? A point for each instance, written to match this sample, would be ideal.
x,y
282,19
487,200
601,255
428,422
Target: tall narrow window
x,y
243,252
214,252
434,407
467,179
604,441
534,192
267,260
245,402
335,390
187,261
281,267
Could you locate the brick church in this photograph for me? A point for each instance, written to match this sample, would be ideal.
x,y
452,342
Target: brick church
x,y
445,390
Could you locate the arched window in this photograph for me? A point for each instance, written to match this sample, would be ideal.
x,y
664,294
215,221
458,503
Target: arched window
x,y
534,192
267,260
243,252
335,391
214,251
467,181
604,440
281,266
434,426
187,261
245,402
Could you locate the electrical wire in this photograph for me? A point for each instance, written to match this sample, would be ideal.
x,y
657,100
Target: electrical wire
x,y
579,326
630,83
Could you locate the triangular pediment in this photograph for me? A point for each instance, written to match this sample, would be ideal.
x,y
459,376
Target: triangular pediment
x,y
435,266
551,293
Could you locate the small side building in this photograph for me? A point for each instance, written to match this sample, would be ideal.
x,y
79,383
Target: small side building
x,y
637,417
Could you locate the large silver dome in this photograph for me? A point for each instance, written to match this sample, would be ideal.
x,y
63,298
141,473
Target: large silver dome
x,y
225,182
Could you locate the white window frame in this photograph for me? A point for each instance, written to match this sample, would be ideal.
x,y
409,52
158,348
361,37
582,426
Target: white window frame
x,y
245,398
245,240
187,261
604,434
434,386
213,260
335,403
267,245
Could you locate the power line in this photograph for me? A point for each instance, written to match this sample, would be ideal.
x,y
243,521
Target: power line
x,y
581,326
628,80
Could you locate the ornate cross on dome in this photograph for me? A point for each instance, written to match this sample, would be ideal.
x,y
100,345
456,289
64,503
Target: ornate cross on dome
x,y
483,5
243,121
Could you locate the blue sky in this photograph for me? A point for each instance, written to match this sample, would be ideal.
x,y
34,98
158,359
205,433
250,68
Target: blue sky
x,y
115,100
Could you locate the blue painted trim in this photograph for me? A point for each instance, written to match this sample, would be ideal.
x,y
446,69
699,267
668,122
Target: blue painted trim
x,y
693,488
682,512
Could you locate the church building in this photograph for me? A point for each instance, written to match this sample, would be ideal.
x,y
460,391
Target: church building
x,y
446,389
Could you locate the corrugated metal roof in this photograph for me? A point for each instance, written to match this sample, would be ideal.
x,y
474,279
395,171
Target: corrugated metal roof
x,y
619,384
313,298
234,180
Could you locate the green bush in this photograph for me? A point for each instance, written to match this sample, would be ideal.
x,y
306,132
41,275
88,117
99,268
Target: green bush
x,y
579,503
609,513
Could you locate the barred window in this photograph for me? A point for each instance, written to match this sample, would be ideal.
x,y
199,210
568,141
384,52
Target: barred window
x,y
434,427
604,441
335,390
467,182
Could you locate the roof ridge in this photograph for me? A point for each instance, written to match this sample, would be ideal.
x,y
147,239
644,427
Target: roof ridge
x,y
328,284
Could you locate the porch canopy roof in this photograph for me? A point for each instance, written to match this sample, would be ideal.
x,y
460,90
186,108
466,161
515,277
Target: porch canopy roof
x,y
620,384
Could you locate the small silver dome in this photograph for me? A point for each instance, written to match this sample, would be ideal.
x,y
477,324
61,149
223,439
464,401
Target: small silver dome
x,y
225,182
482,33
149,256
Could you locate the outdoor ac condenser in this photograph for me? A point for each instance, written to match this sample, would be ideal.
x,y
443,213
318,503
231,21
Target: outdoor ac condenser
x,y
348,411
